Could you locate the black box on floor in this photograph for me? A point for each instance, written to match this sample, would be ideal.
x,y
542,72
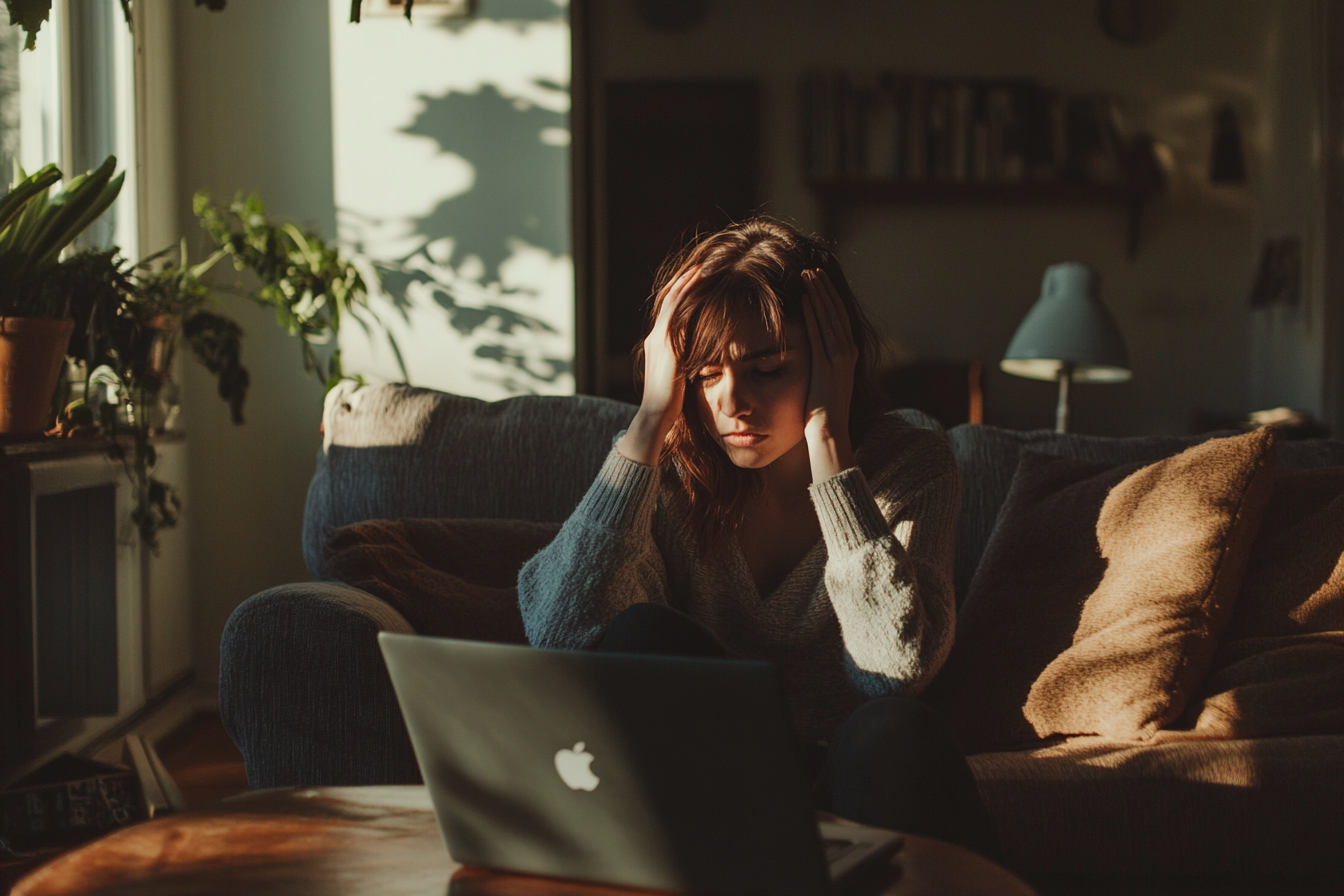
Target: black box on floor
x,y
68,800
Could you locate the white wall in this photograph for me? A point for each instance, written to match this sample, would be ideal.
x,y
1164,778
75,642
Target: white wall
x,y
253,113
452,173
954,281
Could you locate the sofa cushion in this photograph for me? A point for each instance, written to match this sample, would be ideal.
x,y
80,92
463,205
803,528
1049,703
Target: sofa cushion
x,y
449,578
1176,537
395,452
1280,668
1240,816
987,458
1025,600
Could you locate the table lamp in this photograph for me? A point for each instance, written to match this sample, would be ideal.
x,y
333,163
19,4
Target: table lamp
x,y
1068,336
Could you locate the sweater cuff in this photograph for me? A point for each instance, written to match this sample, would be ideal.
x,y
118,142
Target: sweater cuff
x,y
847,510
622,496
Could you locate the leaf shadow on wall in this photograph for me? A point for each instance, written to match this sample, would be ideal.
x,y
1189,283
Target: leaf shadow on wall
x,y
518,199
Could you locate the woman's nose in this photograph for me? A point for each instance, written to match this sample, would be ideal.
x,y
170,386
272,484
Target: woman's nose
x,y
734,399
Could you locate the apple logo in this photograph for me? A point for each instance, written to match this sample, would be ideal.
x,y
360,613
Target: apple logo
x,y
572,766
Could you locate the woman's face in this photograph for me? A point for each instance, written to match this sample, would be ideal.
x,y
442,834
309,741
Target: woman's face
x,y
753,401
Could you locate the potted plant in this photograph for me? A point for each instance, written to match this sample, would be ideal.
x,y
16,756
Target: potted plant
x,y
131,321
35,302
309,284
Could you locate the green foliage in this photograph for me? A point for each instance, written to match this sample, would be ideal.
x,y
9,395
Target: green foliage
x,y
310,286
29,15
217,342
128,323
35,229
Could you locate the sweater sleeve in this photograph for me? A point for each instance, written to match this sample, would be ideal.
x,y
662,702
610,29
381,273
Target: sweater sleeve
x,y
889,572
603,560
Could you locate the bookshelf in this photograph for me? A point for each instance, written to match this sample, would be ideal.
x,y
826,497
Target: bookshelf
x,y
909,139
838,195
849,192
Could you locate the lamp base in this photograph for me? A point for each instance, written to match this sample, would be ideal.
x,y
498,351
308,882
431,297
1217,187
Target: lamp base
x,y
1062,405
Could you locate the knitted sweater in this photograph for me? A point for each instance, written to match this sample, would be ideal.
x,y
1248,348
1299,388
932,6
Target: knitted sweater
x,y
868,612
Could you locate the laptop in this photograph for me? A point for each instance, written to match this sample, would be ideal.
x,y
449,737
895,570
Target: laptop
x,y
666,773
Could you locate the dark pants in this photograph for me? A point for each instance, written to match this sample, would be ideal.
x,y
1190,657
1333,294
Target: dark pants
x,y
891,764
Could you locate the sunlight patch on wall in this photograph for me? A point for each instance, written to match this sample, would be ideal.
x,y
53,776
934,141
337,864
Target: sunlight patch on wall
x,y
452,180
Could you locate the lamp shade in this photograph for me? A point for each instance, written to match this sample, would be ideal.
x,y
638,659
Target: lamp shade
x,y
1068,326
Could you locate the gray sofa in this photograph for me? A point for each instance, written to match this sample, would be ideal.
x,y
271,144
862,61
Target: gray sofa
x,y
304,694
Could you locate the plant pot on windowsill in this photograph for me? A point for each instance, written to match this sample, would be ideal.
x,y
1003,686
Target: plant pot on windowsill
x,y
38,290
32,350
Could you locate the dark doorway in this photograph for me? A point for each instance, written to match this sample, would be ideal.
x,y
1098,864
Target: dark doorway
x,y
680,156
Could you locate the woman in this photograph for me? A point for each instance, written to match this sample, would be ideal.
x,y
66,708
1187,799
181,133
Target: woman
x,y
754,509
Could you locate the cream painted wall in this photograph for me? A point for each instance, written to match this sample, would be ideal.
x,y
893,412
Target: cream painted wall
x,y
253,110
954,281
452,174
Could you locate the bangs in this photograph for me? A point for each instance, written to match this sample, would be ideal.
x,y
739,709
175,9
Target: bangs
x,y
708,318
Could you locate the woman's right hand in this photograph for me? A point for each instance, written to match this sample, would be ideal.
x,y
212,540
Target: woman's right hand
x,y
664,380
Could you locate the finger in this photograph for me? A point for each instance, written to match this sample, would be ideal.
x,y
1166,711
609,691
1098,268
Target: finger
x,y
822,315
843,327
679,279
813,330
674,291
834,305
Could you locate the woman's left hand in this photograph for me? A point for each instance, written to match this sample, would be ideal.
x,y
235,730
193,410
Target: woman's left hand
x,y
835,355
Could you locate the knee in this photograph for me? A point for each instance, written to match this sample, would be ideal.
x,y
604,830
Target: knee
x,y
658,629
639,622
901,718
644,614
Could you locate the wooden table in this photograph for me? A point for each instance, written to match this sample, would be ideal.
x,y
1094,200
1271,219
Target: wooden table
x,y
381,841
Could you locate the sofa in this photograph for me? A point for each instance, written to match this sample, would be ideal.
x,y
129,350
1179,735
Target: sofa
x,y
305,696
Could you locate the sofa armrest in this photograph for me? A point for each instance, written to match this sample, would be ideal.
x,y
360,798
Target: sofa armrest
x,y
304,693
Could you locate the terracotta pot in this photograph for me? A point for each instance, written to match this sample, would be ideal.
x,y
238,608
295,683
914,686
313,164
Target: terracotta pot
x,y
31,352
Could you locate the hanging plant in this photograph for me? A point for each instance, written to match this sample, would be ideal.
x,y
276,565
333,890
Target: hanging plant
x,y
30,14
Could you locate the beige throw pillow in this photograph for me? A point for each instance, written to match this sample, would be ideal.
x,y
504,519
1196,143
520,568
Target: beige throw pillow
x,y
1176,536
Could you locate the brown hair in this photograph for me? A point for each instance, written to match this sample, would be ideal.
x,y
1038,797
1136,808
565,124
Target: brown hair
x,y
750,269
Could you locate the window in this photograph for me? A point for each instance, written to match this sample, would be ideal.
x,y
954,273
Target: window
x,y
71,101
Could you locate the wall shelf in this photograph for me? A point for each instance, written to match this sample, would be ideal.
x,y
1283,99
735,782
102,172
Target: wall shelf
x,y
836,195
848,192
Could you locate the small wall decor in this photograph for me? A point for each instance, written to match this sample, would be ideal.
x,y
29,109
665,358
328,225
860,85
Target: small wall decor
x,y
1278,280
1228,165
436,9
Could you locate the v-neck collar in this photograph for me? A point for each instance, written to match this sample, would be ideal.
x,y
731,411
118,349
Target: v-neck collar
x,y
743,570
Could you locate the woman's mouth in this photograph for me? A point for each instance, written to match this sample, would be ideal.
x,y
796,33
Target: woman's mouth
x,y
744,439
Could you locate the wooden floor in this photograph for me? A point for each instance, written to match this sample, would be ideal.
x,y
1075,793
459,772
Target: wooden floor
x,y
203,761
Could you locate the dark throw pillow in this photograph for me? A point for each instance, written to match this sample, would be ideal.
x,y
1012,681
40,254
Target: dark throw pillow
x,y
1280,667
449,578
1024,602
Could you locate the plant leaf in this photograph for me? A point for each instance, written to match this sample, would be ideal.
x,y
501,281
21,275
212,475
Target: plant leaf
x,y
29,15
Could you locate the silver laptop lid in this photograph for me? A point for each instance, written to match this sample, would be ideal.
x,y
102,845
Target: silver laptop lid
x,y
660,772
